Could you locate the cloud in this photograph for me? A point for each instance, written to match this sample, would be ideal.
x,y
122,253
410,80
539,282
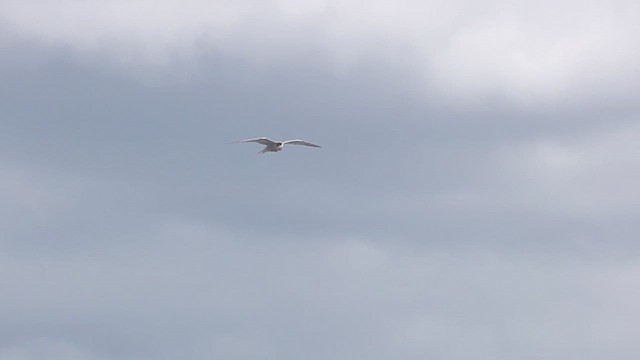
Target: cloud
x,y
44,348
471,200
525,52
29,202
588,175
191,289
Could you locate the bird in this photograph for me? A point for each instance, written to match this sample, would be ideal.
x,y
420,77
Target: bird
x,y
275,146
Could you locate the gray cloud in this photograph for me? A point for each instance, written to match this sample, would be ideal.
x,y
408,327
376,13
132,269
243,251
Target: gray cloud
x,y
430,224
199,295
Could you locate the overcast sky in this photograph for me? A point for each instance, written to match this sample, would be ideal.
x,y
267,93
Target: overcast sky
x,y
476,196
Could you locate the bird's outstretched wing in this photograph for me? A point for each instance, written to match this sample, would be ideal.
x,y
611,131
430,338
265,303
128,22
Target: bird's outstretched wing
x,y
300,142
260,140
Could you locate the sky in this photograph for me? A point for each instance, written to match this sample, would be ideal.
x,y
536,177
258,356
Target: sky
x,y
475,196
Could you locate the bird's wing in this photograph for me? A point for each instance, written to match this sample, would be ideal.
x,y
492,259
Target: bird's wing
x,y
261,140
300,142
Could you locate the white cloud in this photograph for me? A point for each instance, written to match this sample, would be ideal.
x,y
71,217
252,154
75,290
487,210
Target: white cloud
x,y
594,175
586,175
526,51
541,49
589,175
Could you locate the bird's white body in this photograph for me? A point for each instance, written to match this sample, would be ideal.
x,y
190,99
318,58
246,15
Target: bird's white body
x,y
275,146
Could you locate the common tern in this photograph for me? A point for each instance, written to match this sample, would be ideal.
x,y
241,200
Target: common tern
x,y
275,146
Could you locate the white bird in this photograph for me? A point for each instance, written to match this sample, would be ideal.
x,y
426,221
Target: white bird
x,y
276,146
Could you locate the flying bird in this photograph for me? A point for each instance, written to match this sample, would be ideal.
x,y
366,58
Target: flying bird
x,y
275,146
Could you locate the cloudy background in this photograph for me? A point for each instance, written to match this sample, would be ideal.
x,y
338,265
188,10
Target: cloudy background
x,y
476,196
